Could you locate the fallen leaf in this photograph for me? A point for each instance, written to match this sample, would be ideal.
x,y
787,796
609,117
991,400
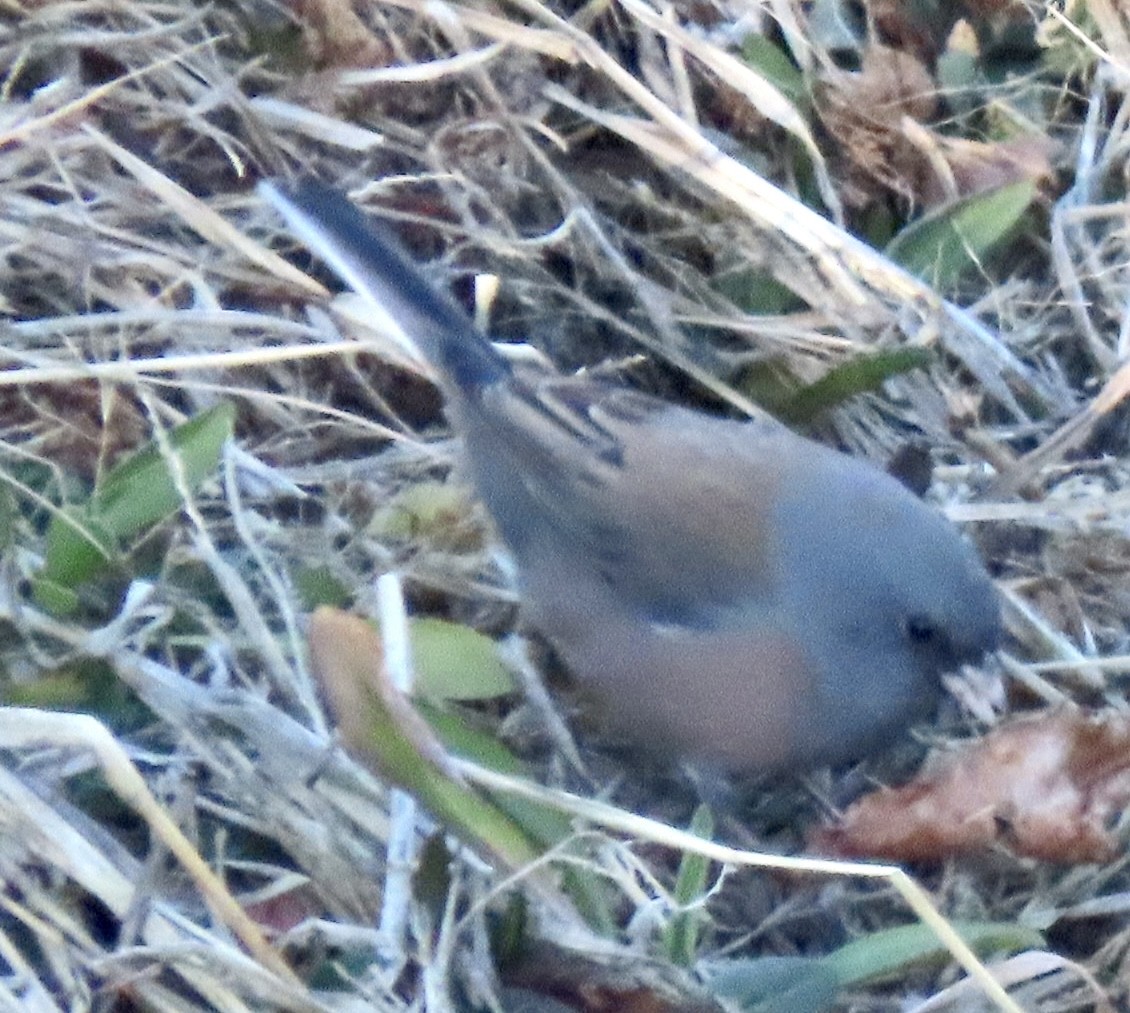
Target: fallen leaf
x,y
1047,787
865,111
884,116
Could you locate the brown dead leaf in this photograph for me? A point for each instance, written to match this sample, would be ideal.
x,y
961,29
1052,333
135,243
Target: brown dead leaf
x,y
1047,787
865,112
881,117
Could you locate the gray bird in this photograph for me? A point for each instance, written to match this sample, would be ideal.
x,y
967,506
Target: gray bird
x,y
735,594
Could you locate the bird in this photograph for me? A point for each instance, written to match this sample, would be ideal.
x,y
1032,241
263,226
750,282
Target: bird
x,y
731,593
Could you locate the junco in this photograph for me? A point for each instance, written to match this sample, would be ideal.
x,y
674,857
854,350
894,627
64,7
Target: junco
x,y
734,593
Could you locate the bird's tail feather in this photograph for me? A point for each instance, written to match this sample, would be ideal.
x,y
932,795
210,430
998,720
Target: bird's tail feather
x,y
377,268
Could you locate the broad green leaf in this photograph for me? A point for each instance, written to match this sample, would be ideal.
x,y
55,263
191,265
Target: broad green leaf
x,y
778,984
860,375
545,826
82,540
141,491
784,984
940,247
885,953
773,63
77,548
455,662
84,684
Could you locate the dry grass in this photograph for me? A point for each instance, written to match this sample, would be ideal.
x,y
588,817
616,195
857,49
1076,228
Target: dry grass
x,y
142,280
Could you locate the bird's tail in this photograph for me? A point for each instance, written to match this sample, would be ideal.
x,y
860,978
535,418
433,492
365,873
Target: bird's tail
x,y
376,267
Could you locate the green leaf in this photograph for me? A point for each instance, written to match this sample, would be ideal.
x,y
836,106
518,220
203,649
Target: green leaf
x,y
454,662
861,375
508,931
54,598
379,726
8,516
681,938
88,685
76,549
546,826
885,953
756,292
774,64
408,745
785,984
82,541
778,984
141,491
940,247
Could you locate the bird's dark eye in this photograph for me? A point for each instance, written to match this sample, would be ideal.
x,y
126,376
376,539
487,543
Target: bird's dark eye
x,y
921,630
